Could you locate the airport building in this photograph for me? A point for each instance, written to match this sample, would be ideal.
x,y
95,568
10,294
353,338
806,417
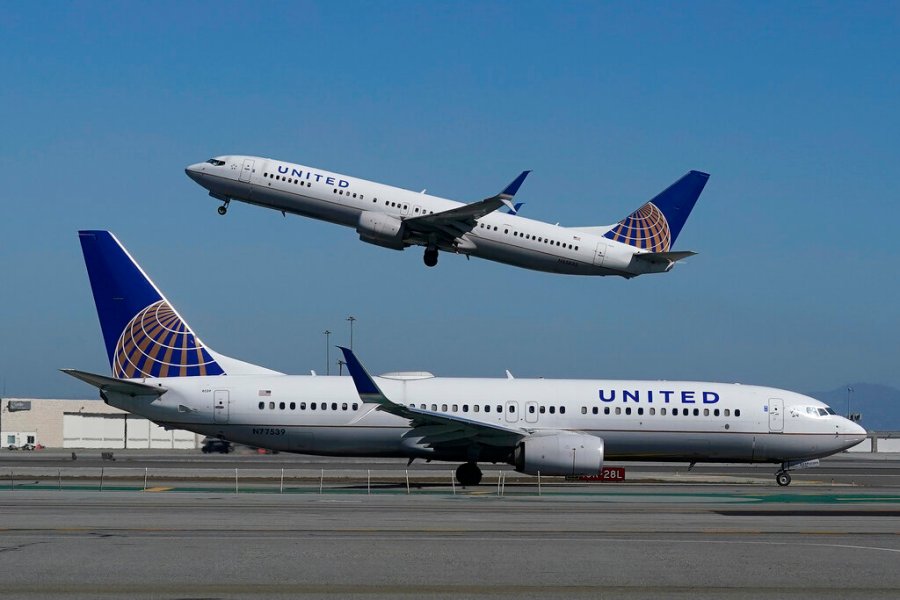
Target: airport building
x,y
83,424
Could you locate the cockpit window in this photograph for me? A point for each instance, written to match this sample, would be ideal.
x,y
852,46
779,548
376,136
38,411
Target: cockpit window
x,y
216,162
815,411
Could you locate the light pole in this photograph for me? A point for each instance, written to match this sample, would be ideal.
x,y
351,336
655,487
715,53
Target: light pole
x,y
849,391
327,352
351,318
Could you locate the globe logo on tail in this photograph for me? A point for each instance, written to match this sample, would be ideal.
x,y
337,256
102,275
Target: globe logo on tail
x,y
158,343
645,228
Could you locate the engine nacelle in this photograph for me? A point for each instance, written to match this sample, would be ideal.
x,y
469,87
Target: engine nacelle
x,y
562,453
380,229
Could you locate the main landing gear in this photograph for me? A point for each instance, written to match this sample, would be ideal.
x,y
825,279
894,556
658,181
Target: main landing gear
x,y
468,474
224,208
431,256
783,478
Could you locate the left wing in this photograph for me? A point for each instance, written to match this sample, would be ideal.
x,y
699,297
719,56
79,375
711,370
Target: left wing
x,y
436,429
457,221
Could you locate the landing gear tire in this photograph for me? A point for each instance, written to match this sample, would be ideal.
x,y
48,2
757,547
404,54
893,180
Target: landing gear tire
x,y
223,209
431,257
468,474
783,478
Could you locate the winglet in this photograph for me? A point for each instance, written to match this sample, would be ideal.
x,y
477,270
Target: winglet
x,y
514,209
512,188
366,387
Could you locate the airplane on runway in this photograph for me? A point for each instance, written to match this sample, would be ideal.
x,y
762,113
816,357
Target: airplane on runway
x,y
396,218
162,371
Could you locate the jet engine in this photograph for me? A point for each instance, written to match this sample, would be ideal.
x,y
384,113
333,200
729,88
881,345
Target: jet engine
x,y
562,453
380,229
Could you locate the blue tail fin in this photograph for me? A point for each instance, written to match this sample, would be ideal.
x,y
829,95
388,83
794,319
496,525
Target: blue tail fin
x,y
655,226
144,335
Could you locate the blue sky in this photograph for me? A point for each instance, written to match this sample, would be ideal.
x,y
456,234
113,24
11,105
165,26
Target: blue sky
x,y
791,107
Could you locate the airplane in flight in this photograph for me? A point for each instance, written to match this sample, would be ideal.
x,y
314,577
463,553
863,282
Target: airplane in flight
x,y
396,218
162,371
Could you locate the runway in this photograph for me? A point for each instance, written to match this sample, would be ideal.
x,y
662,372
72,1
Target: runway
x,y
79,544
632,540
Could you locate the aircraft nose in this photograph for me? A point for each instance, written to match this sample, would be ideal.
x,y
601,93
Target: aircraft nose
x,y
852,431
857,429
194,171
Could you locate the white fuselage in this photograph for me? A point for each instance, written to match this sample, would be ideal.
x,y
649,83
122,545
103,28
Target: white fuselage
x,y
341,199
638,420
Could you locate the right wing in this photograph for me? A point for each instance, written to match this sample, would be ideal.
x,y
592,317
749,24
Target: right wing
x,y
436,429
451,224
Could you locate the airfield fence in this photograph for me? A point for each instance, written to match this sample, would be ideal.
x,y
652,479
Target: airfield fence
x,y
263,480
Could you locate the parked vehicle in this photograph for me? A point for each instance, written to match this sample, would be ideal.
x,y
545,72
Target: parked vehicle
x,y
26,446
211,445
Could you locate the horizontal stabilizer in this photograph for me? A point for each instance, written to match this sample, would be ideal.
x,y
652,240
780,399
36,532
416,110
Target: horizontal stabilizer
x,y
119,386
664,257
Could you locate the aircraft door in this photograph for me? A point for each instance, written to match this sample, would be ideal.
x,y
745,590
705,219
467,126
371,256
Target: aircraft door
x,y
776,415
531,412
600,253
512,412
246,170
221,406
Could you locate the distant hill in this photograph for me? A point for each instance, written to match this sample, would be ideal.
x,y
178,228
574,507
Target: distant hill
x,y
879,405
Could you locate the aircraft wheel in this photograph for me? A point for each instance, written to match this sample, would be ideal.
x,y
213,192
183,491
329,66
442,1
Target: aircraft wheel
x,y
223,209
783,478
431,257
468,474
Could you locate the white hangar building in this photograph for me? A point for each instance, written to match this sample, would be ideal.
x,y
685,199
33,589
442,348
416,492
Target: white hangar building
x,y
83,424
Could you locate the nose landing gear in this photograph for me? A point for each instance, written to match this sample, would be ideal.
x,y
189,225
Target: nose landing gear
x,y
224,208
431,256
783,478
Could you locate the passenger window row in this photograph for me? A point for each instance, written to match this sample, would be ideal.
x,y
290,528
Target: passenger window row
x,y
340,192
552,409
287,179
422,211
542,409
662,411
312,406
487,408
465,407
538,239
